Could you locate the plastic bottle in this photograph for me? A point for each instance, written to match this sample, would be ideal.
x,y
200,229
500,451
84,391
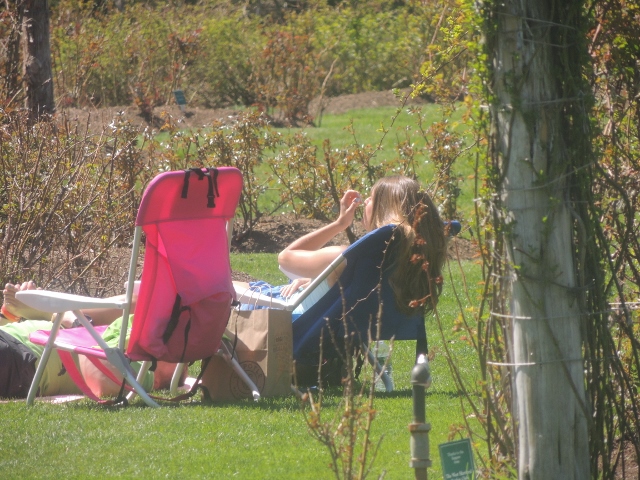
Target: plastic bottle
x,y
382,354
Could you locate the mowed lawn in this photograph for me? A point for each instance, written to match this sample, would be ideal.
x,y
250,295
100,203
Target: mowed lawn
x,y
268,439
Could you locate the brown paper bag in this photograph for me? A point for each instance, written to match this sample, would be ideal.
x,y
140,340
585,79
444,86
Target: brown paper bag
x,y
264,349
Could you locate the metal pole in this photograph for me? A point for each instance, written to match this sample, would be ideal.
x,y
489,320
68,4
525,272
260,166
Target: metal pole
x,y
421,380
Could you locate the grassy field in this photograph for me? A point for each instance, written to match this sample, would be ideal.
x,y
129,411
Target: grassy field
x,y
365,127
268,439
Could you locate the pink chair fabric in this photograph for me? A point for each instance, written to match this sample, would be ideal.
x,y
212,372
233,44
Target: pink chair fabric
x,y
184,218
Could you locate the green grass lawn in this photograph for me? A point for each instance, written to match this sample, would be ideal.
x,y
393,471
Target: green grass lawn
x,y
268,439
368,126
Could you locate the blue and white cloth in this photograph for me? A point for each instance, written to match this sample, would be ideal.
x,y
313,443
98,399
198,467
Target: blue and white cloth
x,y
275,292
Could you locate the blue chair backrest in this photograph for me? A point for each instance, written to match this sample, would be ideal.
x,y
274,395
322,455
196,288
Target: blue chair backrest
x,y
356,293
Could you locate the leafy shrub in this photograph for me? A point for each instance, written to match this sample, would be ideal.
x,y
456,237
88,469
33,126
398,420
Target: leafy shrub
x,y
288,72
9,56
222,73
243,144
90,58
221,56
140,55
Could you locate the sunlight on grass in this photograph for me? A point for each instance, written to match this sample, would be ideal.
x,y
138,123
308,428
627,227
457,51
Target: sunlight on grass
x,y
402,125
368,126
259,266
245,439
240,440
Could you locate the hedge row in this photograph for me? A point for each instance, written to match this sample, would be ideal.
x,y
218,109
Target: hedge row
x,y
223,56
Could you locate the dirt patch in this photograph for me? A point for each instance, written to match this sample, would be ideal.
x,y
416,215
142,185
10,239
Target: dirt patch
x,y
344,103
272,234
95,120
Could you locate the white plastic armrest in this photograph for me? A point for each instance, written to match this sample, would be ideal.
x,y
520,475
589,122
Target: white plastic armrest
x,y
55,302
252,297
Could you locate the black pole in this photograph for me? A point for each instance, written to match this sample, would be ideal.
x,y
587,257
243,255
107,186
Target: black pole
x,y
421,380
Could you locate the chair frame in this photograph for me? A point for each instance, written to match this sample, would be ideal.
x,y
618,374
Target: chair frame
x,y
58,303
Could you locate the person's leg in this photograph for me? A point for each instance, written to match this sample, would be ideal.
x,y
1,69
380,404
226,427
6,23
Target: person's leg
x,y
16,307
103,386
17,367
164,373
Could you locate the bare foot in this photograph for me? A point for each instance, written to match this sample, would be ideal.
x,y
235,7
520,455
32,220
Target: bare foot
x,y
16,307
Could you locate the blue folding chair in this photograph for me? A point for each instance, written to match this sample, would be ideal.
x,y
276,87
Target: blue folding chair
x,y
353,302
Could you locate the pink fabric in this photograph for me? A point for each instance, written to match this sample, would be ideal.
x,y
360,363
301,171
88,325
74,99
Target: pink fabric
x,y
159,203
77,340
186,253
76,376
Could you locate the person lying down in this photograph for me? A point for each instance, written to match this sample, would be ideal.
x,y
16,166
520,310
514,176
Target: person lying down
x,y
19,357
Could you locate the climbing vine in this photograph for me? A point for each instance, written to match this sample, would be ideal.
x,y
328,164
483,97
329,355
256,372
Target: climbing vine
x,y
598,100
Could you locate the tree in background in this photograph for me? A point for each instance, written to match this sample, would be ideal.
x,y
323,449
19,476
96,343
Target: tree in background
x,y
37,73
25,58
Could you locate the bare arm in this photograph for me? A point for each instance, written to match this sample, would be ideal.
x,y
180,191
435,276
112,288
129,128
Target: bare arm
x,y
100,316
106,316
308,256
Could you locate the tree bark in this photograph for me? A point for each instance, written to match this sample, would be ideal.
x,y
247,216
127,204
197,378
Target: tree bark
x,y
11,83
531,159
37,73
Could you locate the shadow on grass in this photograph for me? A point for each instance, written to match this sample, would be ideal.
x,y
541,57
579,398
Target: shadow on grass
x,y
331,398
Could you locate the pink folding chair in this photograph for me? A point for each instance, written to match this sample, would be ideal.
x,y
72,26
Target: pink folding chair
x,y
185,294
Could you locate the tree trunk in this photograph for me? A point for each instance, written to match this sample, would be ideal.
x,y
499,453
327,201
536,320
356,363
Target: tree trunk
x,y
532,160
37,74
11,83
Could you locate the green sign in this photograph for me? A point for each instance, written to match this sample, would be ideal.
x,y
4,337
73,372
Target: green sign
x,y
457,460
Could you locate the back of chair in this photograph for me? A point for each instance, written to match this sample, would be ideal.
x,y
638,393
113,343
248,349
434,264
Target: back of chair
x,y
357,294
186,290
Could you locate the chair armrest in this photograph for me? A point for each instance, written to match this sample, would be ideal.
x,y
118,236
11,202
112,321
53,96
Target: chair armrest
x,y
318,280
56,302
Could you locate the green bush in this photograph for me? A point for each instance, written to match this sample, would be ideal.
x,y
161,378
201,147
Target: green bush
x,y
288,72
374,51
68,205
221,75
222,56
140,55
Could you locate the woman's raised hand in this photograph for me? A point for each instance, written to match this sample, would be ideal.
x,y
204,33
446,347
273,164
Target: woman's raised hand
x,y
309,255
350,201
